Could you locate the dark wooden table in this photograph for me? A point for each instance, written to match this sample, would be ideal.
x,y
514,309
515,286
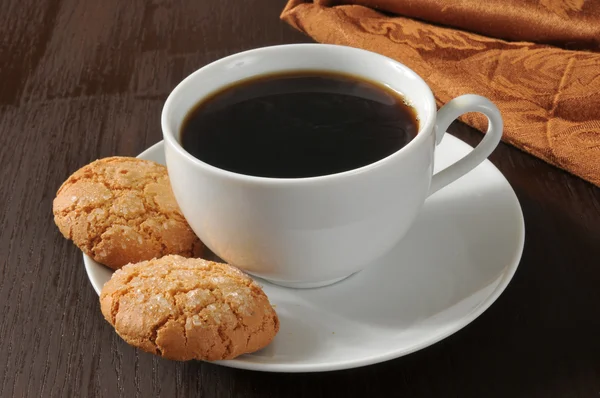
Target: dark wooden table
x,y
83,79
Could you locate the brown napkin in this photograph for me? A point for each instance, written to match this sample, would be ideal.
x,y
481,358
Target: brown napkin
x,y
549,96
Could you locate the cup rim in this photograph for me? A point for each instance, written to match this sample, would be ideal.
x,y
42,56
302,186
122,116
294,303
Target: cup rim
x,y
170,138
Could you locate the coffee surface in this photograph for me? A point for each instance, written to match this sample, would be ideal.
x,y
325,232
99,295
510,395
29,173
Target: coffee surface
x,y
300,124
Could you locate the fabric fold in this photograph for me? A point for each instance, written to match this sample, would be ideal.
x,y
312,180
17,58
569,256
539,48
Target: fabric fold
x,y
548,96
573,24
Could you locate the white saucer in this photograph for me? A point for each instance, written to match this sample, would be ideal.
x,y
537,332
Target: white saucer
x,y
454,263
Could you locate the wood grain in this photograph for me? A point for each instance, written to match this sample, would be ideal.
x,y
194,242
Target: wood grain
x,y
82,79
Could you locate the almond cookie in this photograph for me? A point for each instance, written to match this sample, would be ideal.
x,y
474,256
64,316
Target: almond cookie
x,y
186,308
120,210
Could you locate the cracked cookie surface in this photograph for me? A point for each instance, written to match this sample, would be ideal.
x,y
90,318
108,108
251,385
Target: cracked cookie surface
x,y
119,210
185,308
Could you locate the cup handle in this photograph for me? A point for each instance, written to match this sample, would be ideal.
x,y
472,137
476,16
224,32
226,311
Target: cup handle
x,y
446,115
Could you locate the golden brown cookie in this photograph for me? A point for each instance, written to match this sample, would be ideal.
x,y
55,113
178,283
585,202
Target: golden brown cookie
x,y
185,308
119,210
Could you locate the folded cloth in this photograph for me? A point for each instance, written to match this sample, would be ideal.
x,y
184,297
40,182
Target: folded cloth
x,y
549,96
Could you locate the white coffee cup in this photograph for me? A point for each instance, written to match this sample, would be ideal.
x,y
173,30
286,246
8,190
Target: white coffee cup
x,y
311,232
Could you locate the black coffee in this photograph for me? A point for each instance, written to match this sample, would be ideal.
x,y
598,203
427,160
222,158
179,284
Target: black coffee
x,y
300,124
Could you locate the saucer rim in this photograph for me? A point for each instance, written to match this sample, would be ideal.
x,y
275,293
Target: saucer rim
x,y
503,280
